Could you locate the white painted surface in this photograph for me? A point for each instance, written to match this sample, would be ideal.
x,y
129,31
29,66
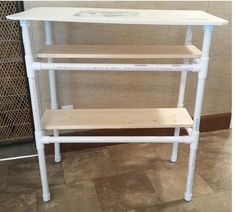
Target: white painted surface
x,y
35,107
115,67
117,139
53,93
183,80
119,16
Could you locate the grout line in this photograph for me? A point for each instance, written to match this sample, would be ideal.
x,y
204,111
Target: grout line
x,y
111,159
37,199
62,169
195,205
100,203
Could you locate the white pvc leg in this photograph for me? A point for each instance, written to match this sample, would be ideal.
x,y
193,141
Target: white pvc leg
x,y
57,148
52,82
43,173
191,168
180,104
175,147
197,113
35,107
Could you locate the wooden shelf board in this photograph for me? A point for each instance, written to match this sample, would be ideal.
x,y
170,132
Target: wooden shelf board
x,y
116,118
111,51
119,16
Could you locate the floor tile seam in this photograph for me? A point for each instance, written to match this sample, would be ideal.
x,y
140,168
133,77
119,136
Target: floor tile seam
x,y
205,195
154,149
163,204
124,173
62,168
111,159
37,197
132,172
155,190
206,182
100,202
210,194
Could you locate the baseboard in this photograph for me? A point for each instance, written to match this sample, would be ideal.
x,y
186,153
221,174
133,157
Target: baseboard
x,y
208,123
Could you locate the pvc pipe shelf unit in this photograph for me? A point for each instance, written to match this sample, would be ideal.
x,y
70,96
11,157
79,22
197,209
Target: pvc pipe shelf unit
x,y
194,60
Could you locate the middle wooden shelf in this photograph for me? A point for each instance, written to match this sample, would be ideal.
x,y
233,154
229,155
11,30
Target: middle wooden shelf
x,y
116,118
120,51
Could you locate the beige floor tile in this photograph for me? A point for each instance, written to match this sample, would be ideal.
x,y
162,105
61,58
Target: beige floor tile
x,y
132,157
18,202
214,142
218,202
83,165
216,172
125,192
170,184
24,174
71,198
214,159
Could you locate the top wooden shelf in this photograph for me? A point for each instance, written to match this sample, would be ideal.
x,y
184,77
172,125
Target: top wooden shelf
x,y
119,16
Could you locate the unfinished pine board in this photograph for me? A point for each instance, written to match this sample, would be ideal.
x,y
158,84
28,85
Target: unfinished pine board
x,y
116,118
111,51
119,16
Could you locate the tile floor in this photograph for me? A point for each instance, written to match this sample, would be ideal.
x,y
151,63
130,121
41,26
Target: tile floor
x,y
125,177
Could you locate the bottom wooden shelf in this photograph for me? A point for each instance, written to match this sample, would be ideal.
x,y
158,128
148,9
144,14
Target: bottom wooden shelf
x,y
116,118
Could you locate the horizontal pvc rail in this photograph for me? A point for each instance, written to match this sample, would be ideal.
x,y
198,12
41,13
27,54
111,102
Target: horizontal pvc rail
x,y
116,139
115,67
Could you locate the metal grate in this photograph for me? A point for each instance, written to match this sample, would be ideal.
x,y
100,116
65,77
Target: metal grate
x,y
15,112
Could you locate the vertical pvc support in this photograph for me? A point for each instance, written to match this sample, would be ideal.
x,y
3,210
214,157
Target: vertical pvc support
x,y
35,107
180,104
52,81
198,106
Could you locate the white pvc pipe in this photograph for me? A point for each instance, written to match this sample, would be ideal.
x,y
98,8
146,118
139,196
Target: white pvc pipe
x,y
52,82
202,76
115,67
180,104
198,106
31,74
35,108
18,157
191,170
43,174
116,139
